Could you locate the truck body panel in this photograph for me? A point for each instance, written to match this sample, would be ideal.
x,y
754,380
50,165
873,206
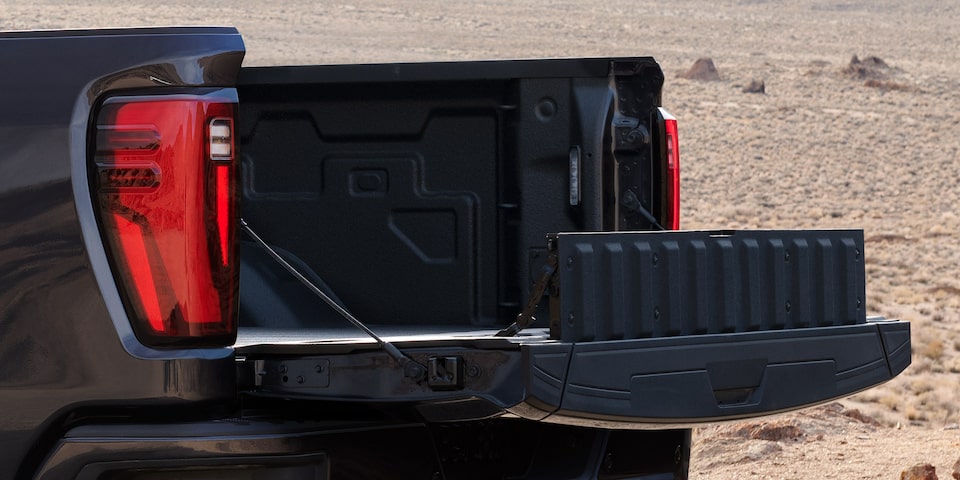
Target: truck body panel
x,y
66,345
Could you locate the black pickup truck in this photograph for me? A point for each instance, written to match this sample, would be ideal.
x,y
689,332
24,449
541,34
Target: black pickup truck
x,y
442,271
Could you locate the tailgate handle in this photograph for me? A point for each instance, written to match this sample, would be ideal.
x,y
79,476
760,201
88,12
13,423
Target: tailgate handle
x,y
736,382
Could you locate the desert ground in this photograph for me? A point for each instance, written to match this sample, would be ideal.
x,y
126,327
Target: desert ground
x,y
823,147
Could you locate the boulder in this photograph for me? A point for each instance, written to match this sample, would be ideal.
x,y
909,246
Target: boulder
x,y
755,86
703,70
868,68
921,471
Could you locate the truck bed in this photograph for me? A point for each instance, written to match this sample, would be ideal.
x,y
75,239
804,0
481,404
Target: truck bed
x,y
422,193
427,199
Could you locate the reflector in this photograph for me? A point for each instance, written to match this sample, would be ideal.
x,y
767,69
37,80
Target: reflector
x,y
671,219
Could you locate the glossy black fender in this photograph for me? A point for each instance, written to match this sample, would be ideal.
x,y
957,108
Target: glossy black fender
x,y
66,346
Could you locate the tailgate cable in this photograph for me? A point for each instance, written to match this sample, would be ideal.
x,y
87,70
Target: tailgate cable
x,y
411,369
548,277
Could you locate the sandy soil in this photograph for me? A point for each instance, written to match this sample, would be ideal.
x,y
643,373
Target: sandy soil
x,y
819,150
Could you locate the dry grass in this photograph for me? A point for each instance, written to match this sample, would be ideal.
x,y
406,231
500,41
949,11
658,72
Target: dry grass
x,y
933,349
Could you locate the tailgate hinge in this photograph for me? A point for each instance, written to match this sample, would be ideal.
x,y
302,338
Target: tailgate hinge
x,y
548,278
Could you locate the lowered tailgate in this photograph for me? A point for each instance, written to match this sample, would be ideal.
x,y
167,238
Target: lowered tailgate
x,y
646,328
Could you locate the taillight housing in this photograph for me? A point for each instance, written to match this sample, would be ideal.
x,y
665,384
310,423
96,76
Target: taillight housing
x,y
164,182
671,172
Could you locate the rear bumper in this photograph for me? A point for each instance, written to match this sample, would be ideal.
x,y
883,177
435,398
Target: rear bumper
x,y
316,450
240,450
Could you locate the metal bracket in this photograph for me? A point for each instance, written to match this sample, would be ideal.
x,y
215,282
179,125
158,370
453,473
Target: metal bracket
x,y
445,373
548,277
293,374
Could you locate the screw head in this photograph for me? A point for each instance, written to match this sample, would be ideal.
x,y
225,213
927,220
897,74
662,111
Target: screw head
x,y
608,462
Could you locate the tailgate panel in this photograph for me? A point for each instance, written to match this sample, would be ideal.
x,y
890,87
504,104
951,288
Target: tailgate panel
x,y
648,330
664,284
690,379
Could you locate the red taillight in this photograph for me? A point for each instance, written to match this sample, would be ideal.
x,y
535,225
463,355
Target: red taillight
x,y
671,217
165,184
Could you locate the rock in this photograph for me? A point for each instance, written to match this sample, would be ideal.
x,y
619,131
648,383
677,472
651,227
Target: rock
x,y
921,471
755,86
876,73
772,431
872,62
861,417
869,67
760,450
703,70
956,470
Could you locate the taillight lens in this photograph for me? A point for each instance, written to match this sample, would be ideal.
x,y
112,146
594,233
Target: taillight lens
x,y
164,179
671,216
